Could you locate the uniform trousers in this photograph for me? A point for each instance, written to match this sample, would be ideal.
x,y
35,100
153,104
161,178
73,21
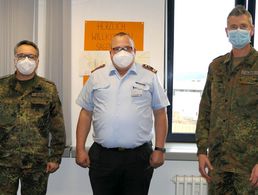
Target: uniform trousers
x,y
230,183
33,180
119,171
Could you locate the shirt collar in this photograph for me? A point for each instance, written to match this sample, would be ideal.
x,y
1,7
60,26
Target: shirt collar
x,y
113,70
34,82
249,59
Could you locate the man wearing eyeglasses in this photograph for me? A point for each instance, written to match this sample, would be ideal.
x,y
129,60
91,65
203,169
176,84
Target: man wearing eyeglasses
x,y
32,133
121,99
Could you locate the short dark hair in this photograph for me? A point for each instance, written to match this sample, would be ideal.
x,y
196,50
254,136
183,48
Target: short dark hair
x,y
121,34
240,10
26,42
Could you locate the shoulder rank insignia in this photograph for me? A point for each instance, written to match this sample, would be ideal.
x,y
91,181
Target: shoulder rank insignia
x,y
101,66
148,67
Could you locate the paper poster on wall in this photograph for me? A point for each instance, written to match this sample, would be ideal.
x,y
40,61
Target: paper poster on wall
x,y
98,34
97,37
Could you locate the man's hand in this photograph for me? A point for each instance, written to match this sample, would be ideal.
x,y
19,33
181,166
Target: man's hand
x,y
82,158
203,164
157,159
254,176
52,167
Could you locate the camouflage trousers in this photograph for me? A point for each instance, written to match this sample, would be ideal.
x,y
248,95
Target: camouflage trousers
x,y
33,180
228,183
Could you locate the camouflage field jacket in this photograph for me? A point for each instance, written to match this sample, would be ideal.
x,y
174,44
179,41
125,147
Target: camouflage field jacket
x,y
31,122
227,124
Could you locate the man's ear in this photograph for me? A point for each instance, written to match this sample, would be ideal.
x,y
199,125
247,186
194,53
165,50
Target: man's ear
x,y
226,30
252,31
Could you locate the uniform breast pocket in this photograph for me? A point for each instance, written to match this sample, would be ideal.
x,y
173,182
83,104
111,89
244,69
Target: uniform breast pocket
x,y
141,94
102,91
249,80
247,91
39,104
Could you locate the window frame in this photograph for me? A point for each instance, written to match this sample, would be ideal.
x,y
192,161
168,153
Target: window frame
x,y
169,55
176,137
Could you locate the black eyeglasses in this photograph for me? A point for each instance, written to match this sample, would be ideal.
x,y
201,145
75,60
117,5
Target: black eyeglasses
x,y
126,48
22,56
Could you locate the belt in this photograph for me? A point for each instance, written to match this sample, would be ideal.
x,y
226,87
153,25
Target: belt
x,y
121,149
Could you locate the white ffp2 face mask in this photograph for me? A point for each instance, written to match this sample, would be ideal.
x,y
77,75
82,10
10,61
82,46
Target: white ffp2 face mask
x,y
123,59
26,66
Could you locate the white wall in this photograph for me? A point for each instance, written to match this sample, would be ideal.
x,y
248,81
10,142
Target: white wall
x,y
151,12
70,178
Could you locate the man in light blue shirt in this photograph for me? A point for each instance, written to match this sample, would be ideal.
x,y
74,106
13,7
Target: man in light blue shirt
x,y
120,99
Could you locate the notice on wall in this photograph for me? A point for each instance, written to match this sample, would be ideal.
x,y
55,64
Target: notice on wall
x,y
98,34
97,38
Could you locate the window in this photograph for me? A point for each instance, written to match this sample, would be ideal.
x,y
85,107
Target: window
x,y
256,29
195,36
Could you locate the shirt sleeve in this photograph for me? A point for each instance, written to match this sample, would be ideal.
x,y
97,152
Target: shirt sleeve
x,y
85,98
57,129
159,97
203,122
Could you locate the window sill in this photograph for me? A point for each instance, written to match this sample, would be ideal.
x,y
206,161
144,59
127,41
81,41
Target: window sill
x,y
181,151
174,151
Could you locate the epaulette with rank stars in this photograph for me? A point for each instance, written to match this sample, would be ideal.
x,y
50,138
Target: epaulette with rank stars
x,y
101,66
148,67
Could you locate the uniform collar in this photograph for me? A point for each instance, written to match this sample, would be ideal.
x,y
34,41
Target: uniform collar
x,y
16,84
249,60
113,70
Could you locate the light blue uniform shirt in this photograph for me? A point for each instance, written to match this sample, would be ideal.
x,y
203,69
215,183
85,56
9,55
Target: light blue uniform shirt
x,y
122,107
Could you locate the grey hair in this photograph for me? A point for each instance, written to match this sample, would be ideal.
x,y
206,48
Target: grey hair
x,y
240,10
121,34
26,42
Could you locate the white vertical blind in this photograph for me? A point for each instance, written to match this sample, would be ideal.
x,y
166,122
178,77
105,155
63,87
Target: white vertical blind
x,y
56,15
16,24
48,24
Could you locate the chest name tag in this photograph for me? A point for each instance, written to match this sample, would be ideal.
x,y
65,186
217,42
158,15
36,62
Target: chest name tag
x,y
249,72
136,92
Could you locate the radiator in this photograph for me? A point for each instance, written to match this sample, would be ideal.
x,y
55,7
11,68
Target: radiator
x,y
190,185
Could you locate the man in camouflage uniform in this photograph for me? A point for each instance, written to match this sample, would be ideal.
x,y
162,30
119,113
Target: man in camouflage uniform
x,y
32,134
227,127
